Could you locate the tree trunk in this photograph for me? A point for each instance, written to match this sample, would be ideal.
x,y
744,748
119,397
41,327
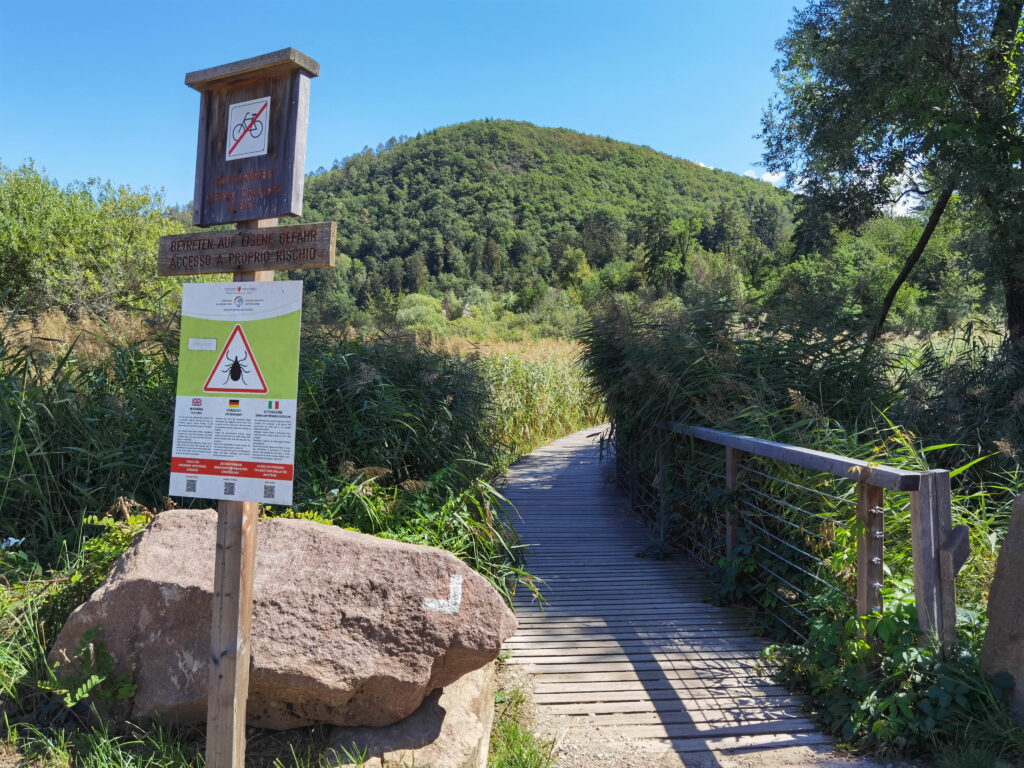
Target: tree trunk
x,y
933,221
1015,315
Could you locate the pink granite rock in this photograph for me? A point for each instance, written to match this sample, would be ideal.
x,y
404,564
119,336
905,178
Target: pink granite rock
x,y
348,629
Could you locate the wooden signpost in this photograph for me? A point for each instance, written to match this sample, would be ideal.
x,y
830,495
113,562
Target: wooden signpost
x,y
304,246
249,171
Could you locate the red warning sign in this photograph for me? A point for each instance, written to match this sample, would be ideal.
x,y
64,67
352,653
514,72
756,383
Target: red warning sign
x,y
236,369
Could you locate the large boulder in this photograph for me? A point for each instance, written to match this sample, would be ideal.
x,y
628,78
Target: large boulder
x,y
347,629
1003,650
451,729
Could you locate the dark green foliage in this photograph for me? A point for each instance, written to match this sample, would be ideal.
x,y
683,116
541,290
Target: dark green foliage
x,y
507,206
92,678
883,98
79,432
907,696
75,434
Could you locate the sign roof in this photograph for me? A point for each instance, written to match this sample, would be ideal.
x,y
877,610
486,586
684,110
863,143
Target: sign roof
x,y
285,60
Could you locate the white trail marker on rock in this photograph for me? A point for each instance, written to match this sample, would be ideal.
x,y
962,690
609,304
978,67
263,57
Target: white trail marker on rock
x,y
451,605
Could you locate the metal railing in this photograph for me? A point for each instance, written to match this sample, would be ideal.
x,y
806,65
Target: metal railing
x,y
797,528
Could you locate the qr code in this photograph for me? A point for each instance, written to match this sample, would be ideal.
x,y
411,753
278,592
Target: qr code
x,y
268,491
190,485
229,488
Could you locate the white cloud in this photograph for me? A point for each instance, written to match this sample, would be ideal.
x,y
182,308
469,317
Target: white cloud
x,y
705,165
749,173
773,178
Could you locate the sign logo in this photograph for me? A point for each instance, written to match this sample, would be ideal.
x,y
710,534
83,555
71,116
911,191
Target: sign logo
x,y
248,128
236,370
197,401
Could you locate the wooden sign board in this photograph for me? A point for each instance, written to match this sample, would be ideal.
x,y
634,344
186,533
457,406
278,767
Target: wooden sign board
x,y
252,137
300,246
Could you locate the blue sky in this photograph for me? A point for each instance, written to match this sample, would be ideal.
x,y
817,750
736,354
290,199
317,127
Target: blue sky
x,y
96,89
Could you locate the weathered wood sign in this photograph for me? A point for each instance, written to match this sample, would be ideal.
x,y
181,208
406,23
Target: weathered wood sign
x,y
252,137
301,246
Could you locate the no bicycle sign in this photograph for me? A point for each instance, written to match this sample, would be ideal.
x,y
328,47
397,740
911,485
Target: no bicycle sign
x,y
234,414
247,129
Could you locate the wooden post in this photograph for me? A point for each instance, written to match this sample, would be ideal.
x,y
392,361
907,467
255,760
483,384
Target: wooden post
x,y
870,540
662,521
938,551
732,461
232,609
634,475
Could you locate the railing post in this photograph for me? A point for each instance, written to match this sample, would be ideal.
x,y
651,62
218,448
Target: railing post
x,y
870,540
634,474
732,461
939,552
662,505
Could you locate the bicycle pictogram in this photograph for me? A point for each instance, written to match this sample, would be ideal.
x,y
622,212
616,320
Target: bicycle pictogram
x,y
255,127
247,128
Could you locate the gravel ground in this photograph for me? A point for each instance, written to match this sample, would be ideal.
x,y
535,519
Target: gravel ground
x,y
592,748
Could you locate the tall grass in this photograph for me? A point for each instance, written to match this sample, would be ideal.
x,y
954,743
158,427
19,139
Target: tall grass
x,y
78,431
393,439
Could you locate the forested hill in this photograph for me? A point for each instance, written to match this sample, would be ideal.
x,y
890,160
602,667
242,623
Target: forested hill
x,y
513,206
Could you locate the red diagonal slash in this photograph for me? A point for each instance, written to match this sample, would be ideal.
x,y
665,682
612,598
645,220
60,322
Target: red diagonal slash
x,y
250,125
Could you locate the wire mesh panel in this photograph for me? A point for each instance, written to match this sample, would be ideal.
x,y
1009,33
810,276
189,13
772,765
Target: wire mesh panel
x,y
781,538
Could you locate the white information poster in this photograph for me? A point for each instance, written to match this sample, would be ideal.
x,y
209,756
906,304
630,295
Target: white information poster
x,y
234,415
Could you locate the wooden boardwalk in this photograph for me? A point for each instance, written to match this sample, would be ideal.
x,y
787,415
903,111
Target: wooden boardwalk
x,y
627,645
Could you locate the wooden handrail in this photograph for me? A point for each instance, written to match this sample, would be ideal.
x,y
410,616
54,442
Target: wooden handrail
x,y
939,549
839,466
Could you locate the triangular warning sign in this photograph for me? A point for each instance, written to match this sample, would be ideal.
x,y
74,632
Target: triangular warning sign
x,y
236,369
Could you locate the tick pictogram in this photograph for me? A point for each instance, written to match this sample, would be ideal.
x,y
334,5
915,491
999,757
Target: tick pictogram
x,y
236,369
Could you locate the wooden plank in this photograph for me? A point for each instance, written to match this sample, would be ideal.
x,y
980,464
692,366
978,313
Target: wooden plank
x,y
943,501
682,730
257,185
711,717
955,551
571,637
683,663
642,598
620,628
301,246
819,461
680,655
668,704
644,692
